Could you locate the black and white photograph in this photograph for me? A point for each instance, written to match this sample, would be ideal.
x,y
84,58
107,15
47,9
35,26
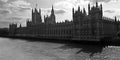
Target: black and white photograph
x,y
59,29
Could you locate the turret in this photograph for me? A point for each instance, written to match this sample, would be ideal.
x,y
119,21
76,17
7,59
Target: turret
x,y
84,12
40,11
101,10
36,16
96,4
44,17
32,15
101,6
115,19
79,8
12,29
53,15
52,11
88,9
32,11
40,14
20,26
73,12
36,11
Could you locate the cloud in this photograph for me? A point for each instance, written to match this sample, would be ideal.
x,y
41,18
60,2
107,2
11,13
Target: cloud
x,y
4,0
64,5
69,4
93,1
4,24
4,11
109,11
19,5
24,8
118,16
14,18
2,4
60,11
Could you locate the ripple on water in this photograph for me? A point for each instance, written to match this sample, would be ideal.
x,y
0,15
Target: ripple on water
x,y
24,50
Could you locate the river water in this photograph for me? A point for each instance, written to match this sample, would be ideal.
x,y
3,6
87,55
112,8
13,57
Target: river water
x,y
16,49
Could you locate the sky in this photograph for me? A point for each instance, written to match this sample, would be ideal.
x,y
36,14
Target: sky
x,y
19,11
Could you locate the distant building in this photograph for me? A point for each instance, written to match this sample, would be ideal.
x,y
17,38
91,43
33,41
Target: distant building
x,y
12,29
85,26
36,17
50,19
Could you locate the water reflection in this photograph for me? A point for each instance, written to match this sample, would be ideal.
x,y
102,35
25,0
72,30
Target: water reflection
x,y
90,49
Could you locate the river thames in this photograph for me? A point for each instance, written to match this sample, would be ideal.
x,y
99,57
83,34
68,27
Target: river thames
x,y
16,49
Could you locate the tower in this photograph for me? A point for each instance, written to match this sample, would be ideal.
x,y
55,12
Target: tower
x,y
88,9
115,19
36,16
40,18
79,8
52,16
33,16
116,26
20,26
96,4
12,29
73,13
101,10
84,12
52,11
50,19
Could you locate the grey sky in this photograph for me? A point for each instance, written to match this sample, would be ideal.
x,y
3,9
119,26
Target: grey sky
x,y
20,10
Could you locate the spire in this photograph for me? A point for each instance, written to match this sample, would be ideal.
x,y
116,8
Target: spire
x,y
32,15
96,3
40,11
32,11
52,6
89,5
115,18
88,8
101,10
36,11
84,11
36,4
78,8
101,6
73,13
20,25
40,14
73,10
52,11
44,17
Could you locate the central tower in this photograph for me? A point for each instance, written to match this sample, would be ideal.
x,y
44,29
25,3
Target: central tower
x,y
36,15
52,16
50,19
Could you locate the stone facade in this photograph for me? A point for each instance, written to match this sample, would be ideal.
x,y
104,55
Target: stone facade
x,y
84,26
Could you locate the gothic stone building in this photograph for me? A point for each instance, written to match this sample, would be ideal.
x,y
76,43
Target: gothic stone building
x,y
85,26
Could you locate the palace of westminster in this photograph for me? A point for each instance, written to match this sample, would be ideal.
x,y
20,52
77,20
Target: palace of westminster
x,y
84,26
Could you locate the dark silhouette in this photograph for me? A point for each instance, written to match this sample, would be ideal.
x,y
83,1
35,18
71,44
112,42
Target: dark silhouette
x,y
91,26
4,31
91,49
